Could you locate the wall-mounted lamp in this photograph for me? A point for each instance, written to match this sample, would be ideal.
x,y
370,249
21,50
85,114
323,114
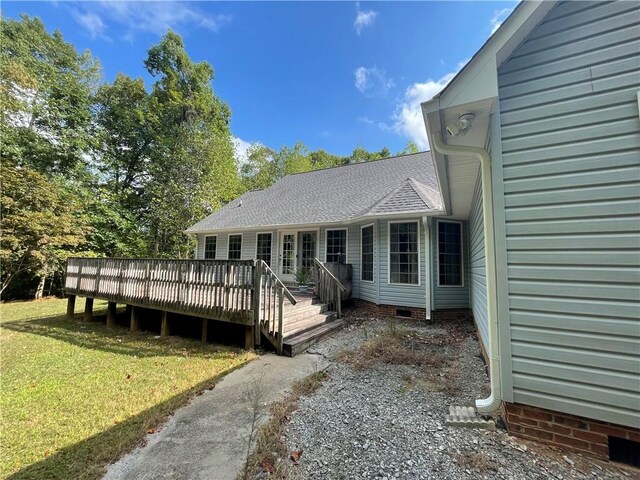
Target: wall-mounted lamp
x,y
462,125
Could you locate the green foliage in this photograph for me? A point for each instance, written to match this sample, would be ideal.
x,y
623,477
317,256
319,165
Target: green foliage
x,y
40,224
46,89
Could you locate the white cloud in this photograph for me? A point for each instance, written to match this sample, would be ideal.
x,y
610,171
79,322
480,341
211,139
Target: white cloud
x,y
407,118
372,81
364,18
499,16
147,17
92,23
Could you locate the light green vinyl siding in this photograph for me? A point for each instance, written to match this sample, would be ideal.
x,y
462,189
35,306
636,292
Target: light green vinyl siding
x,y
477,267
571,175
450,297
395,294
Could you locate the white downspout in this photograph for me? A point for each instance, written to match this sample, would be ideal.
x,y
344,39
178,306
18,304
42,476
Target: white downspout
x,y
493,402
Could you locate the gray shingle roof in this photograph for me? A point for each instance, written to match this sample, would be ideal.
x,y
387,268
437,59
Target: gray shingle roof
x,y
405,184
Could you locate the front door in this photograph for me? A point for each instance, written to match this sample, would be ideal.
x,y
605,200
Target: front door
x,y
287,256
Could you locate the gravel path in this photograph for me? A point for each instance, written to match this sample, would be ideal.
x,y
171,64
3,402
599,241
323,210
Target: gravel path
x,y
387,421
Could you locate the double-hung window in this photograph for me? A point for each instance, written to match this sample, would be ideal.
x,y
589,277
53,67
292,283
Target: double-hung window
x,y
337,246
403,253
210,247
450,254
235,247
366,248
264,248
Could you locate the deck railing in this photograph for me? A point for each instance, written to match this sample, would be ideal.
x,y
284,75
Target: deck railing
x,y
271,294
219,289
329,289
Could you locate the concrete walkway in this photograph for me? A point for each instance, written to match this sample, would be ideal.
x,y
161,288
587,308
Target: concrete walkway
x,y
207,439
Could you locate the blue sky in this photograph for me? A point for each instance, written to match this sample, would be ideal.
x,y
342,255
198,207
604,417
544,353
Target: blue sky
x,y
331,74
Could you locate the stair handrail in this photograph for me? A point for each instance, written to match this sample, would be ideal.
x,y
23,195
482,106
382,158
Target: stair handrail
x,y
285,290
331,275
331,292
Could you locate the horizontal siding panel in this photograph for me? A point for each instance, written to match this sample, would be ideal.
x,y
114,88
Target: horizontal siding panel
x,y
608,17
582,179
576,339
613,327
564,242
559,137
578,226
571,15
628,34
592,258
592,209
588,358
559,372
569,389
575,290
569,121
608,274
574,306
578,406
583,105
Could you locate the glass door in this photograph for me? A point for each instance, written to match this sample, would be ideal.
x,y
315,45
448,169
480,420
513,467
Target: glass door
x,y
307,250
287,257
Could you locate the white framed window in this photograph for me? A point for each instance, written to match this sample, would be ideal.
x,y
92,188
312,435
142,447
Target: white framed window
x,y
450,254
235,247
336,245
263,247
210,243
404,253
366,253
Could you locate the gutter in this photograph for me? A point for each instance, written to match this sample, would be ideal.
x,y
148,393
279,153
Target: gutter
x,y
494,401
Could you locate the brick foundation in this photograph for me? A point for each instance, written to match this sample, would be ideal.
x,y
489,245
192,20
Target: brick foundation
x,y
460,315
389,310
564,430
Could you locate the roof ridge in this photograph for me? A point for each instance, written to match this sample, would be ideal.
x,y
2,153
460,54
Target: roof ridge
x,y
359,163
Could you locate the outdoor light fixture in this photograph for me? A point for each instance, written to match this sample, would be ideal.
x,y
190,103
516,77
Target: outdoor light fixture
x,y
464,123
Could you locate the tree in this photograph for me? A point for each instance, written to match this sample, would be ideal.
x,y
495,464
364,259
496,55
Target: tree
x,y
40,225
45,90
409,148
259,171
292,160
192,169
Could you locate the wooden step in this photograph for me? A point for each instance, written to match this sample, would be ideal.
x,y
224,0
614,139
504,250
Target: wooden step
x,y
307,324
301,342
291,316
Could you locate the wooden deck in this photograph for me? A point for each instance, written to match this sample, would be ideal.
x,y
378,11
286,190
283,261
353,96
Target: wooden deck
x,y
245,292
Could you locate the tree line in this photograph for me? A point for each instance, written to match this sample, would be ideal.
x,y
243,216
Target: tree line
x,y
97,168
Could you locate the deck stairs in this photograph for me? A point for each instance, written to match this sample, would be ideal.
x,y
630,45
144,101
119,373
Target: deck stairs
x,y
306,322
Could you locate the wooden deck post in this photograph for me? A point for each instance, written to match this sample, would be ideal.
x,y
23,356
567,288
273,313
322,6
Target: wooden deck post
x,y
338,302
205,329
248,336
257,302
135,321
111,314
164,326
71,307
88,309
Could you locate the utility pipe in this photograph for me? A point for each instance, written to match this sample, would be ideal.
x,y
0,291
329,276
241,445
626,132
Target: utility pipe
x,y
493,402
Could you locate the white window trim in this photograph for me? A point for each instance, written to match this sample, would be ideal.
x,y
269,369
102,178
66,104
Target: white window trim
x,y
271,252
229,244
389,282
204,248
372,225
346,244
437,245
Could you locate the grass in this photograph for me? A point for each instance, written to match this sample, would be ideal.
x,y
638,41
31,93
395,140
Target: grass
x,y
76,396
271,454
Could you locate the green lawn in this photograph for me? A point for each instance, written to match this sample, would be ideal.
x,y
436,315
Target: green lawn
x,y
76,396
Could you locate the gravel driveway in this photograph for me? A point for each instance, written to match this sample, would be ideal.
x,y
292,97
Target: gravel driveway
x,y
382,420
